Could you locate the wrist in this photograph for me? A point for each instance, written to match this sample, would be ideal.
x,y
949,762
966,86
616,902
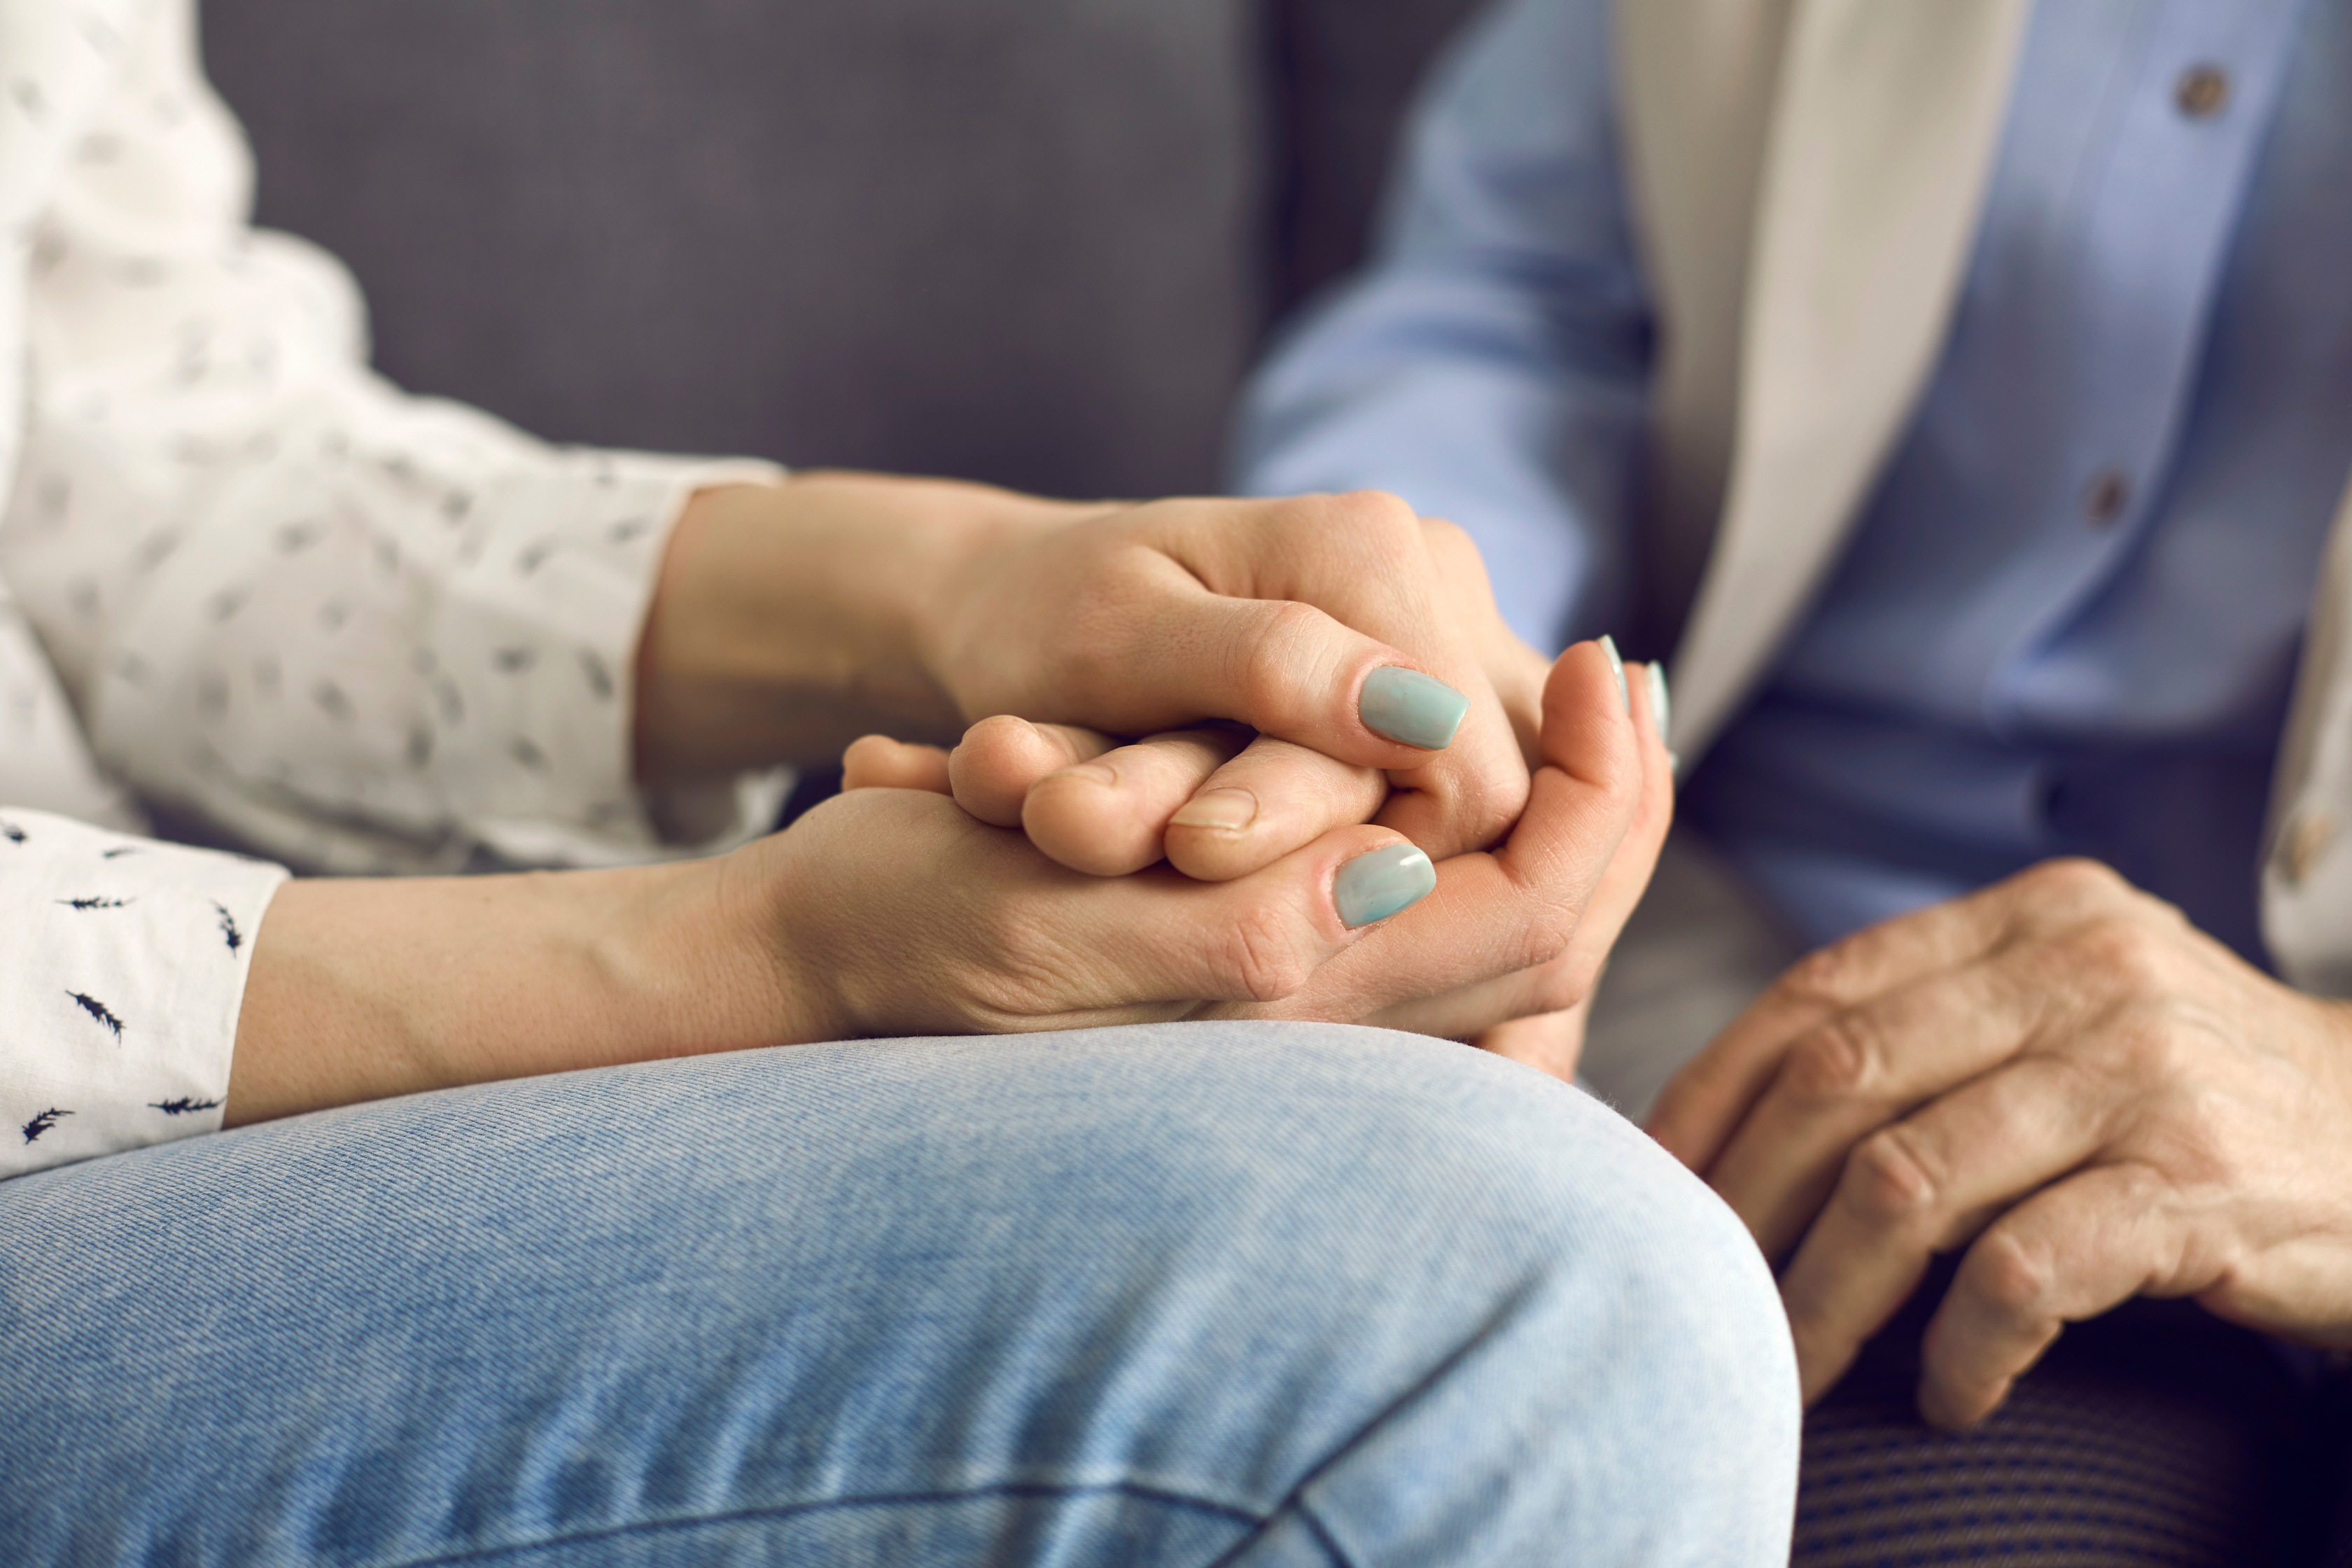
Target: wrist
x,y
367,990
790,619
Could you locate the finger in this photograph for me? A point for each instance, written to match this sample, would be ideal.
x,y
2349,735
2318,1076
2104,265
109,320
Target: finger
x,y
1323,623
1264,803
1923,1187
1107,816
1515,909
878,762
1709,1100
1627,878
969,927
1548,1042
1159,936
999,758
1854,1073
2073,1252
1566,983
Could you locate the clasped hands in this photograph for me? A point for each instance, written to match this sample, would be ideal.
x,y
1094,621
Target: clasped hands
x,y
1053,875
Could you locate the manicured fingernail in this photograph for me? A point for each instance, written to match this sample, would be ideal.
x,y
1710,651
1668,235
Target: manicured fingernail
x,y
1408,706
1662,705
1226,810
1617,669
1375,886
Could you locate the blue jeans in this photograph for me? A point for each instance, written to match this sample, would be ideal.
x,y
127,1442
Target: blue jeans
x,y
1241,1294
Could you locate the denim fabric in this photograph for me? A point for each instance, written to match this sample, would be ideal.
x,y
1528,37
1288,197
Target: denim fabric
x,y
1249,1294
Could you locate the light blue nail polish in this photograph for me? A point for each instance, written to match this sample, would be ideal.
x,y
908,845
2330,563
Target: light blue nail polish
x,y
1375,886
1617,669
1408,706
1662,706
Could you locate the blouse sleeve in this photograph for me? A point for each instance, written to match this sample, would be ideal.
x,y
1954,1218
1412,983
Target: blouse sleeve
x,y
123,971
360,631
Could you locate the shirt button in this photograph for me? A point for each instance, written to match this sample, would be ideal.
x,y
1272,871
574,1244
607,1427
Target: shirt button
x,y
2306,841
2202,91
2105,501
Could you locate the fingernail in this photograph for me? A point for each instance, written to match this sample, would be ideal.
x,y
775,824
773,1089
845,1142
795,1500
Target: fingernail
x,y
1226,810
1662,705
1408,706
1375,886
1617,669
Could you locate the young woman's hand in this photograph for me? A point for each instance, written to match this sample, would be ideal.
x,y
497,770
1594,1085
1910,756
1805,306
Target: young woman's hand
x,y
886,911
1217,801
1358,642
1451,976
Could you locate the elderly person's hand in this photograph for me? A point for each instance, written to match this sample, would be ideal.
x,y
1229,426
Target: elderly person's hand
x,y
1354,640
2059,1075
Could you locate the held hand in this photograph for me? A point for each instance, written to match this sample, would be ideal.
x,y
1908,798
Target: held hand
x,y
1358,641
893,911
886,911
1218,802
1522,931
790,618
2059,1075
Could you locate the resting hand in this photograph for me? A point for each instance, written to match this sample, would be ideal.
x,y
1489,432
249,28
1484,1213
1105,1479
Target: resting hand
x,y
2059,1075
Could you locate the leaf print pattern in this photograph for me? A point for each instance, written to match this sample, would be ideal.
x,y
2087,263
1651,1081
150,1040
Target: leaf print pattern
x,y
159,1005
100,1011
394,637
41,1123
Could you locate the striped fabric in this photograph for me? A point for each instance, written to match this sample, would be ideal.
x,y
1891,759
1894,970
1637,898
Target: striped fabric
x,y
2155,1435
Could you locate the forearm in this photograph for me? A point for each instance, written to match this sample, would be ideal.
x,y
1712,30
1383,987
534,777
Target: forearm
x,y
364,990
791,619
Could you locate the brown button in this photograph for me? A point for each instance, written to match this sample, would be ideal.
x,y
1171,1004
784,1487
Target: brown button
x,y
2202,91
2306,841
2106,500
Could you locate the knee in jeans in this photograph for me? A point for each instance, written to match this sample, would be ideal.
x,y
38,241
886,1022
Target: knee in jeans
x,y
1609,1345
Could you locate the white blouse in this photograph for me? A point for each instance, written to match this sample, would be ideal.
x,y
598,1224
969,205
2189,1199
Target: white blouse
x,y
245,581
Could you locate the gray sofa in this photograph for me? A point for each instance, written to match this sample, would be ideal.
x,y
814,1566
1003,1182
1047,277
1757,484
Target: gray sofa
x,y
1031,241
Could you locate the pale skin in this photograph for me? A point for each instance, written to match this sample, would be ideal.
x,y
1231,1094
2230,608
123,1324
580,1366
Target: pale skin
x,y
790,618
2058,1077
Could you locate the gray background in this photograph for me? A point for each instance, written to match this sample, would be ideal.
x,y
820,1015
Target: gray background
x,y
1030,241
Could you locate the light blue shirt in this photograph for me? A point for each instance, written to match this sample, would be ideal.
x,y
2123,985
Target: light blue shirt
x,y
2068,617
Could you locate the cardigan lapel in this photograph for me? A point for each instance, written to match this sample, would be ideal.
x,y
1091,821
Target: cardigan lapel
x,y
1884,121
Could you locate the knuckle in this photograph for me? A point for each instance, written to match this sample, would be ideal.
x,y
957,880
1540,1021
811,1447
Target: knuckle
x,y
1563,985
1267,660
1832,976
1836,1061
1362,528
2013,1277
1450,541
1260,956
2122,954
2070,881
1545,936
1888,1184
1379,514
